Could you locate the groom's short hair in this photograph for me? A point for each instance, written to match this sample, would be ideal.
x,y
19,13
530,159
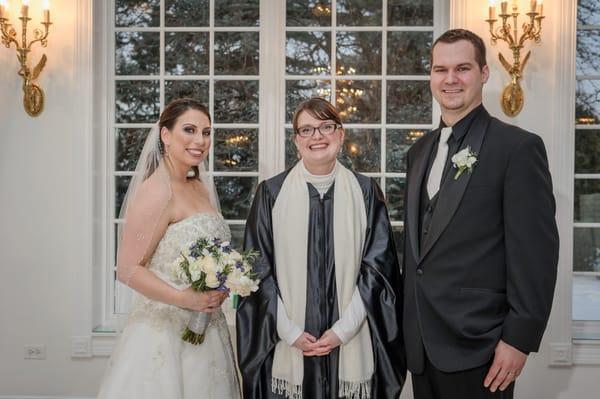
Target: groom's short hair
x,y
455,35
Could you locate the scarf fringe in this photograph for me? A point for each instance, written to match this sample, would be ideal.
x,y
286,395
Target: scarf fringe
x,y
286,388
355,390
347,389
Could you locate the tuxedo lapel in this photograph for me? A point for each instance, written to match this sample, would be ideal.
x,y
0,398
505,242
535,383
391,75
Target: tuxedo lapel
x,y
415,177
452,191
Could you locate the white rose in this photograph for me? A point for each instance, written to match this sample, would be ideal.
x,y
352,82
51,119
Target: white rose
x,y
177,271
460,158
212,281
209,265
195,269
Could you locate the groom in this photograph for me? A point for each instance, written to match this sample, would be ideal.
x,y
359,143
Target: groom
x,y
481,243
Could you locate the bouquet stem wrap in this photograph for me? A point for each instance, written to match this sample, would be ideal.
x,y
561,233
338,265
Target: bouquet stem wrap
x,y
194,333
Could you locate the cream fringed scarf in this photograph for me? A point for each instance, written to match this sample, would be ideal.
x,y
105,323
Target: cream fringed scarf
x,y
290,232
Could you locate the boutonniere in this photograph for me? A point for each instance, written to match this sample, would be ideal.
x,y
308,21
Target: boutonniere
x,y
464,160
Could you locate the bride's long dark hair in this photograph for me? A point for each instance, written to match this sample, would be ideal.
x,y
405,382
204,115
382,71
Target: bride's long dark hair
x,y
169,116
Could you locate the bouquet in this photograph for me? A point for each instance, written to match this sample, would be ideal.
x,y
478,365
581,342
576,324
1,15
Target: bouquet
x,y
211,264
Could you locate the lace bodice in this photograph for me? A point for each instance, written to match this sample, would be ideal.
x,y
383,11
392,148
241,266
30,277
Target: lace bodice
x,y
179,236
177,239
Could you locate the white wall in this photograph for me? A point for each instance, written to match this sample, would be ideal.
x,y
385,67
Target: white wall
x,y
44,215
45,207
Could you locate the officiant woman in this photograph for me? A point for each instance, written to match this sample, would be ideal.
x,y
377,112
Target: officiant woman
x,y
326,321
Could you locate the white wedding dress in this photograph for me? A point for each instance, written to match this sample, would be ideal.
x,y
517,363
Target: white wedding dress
x,y
151,360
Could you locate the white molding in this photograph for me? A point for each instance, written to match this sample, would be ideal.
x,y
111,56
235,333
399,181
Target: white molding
x,y
83,75
586,352
458,14
43,397
562,161
103,344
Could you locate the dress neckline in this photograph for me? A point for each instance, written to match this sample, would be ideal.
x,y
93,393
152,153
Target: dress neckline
x,y
194,216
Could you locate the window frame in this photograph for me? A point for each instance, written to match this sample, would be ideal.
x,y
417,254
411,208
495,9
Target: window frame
x,y
583,331
271,123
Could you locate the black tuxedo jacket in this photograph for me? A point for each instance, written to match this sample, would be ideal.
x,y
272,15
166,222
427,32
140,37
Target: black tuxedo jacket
x,y
487,267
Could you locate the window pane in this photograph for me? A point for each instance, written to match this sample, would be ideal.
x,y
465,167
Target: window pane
x,y
291,155
236,53
236,101
137,101
308,13
398,143
394,194
359,101
588,52
129,144
137,53
410,12
358,13
196,89
587,102
586,254
358,53
586,300
300,90
235,195
587,151
237,236
237,12
236,150
137,13
308,53
399,241
587,200
187,12
588,12
408,102
408,53
186,53
121,185
362,150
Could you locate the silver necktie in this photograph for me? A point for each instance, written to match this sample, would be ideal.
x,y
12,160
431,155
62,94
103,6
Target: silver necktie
x,y
437,169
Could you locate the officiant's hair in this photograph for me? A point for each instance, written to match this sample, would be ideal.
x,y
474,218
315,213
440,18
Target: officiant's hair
x,y
455,35
174,110
318,107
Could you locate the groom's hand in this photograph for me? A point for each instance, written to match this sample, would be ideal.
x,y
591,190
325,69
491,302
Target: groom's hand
x,y
506,367
328,342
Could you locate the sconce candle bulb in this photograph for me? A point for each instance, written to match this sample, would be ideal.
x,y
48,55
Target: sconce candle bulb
x,y
492,9
533,6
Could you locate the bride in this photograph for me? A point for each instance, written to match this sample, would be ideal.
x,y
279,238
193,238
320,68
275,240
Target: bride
x,y
165,210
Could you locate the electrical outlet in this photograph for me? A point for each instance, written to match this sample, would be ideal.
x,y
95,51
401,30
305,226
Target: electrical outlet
x,y
37,352
560,354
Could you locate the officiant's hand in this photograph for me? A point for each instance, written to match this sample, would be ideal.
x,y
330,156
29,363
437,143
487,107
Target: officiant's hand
x,y
208,302
508,364
328,342
305,342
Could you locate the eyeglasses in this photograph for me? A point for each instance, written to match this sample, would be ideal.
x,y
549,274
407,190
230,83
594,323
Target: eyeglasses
x,y
325,129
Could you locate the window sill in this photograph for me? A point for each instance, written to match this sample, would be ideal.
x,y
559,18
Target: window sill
x,y
586,352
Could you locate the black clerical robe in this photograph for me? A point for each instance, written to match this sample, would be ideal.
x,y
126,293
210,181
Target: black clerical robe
x,y
379,284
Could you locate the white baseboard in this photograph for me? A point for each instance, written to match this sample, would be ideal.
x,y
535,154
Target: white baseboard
x,y
43,397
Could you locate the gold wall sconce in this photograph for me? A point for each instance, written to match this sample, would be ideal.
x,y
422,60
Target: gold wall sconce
x,y
512,96
33,96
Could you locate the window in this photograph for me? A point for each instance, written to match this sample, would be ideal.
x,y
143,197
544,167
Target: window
x,y
369,57
192,48
586,254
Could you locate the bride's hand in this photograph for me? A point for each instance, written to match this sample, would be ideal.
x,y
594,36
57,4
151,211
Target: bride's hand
x,y
208,302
